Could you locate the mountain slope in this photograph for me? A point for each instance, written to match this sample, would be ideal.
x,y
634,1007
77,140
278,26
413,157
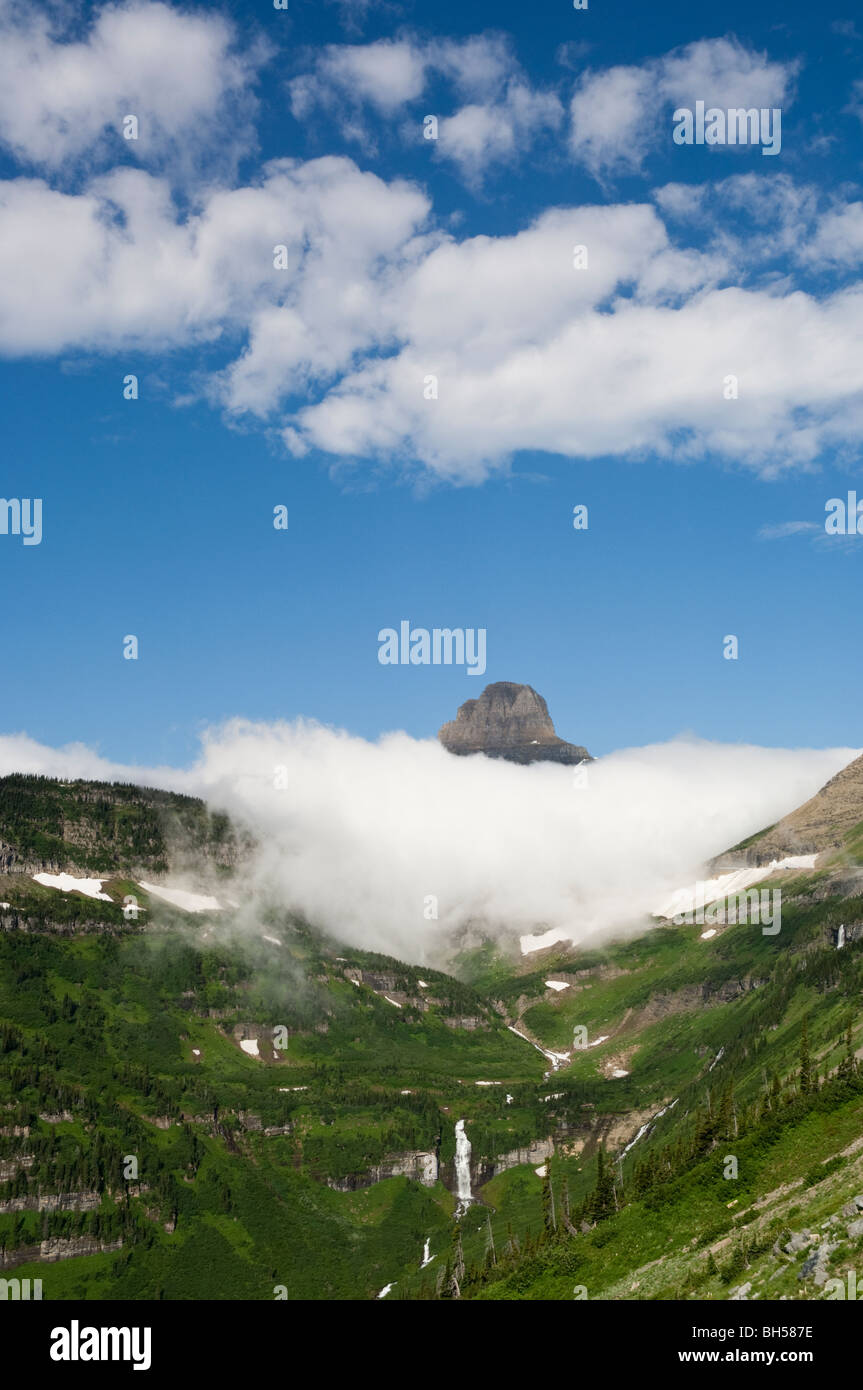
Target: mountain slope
x,y
291,1103
820,826
103,827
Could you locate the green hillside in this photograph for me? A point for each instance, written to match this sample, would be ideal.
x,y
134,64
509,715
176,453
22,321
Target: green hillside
x,y
144,1153
103,827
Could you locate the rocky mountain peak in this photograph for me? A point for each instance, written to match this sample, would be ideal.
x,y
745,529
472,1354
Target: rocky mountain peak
x,y
508,721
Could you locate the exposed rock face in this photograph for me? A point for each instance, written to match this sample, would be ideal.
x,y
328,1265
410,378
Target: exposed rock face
x,y
819,825
420,1167
56,1248
509,721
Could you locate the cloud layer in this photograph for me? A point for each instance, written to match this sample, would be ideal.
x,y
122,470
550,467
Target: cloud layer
x,y
360,836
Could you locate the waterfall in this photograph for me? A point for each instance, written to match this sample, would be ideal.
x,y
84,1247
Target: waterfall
x,y
840,938
427,1257
462,1166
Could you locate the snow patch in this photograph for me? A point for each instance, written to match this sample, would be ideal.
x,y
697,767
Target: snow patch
x,y
649,1125
250,1045
178,897
90,887
545,939
554,1057
556,984
727,885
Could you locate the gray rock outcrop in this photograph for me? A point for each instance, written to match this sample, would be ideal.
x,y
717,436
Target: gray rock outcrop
x,y
509,721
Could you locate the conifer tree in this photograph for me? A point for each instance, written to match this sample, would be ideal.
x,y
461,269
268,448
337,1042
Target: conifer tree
x,y
547,1215
806,1080
603,1194
457,1277
847,1066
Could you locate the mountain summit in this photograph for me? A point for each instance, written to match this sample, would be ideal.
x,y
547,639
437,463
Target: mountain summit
x,y
509,721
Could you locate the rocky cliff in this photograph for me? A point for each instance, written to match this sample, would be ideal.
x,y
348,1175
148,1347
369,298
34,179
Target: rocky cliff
x,y
509,721
85,827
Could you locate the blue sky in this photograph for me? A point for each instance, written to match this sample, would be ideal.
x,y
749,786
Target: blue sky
x,y
407,256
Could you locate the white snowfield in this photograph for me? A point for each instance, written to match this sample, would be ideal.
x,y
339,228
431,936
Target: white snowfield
x,y
727,885
178,897
90,887
685,899
249,1045
539,943
556,984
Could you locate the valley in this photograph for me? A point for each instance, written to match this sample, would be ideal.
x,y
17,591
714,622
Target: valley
x,y
308,1116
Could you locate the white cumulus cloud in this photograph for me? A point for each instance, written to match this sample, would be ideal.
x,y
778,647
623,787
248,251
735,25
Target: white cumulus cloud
x,y
181,74
619,115
358,835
